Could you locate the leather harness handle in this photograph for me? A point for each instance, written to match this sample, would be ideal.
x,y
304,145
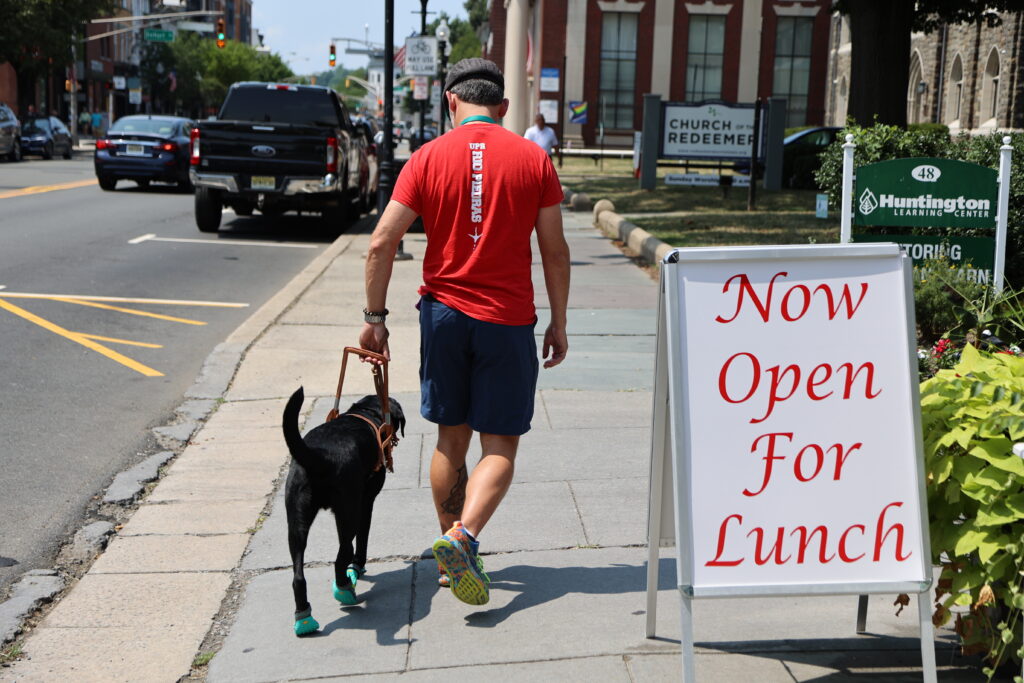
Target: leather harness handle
x,y
386,432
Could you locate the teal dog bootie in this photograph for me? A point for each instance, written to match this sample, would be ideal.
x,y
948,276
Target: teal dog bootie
x,y
346,595
305,623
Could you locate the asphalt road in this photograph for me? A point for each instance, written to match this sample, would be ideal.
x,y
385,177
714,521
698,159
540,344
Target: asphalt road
x,y
82,379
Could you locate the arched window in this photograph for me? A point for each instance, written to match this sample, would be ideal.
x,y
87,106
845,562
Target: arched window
x,y
990,87
955,92
916,89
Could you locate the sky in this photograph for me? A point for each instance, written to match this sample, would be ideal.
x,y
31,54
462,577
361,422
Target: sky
x,y
301,30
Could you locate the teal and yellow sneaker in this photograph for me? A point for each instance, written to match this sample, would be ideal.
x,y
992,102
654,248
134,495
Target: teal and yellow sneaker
x,y
456,555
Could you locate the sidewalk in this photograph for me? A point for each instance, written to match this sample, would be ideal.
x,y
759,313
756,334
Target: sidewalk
x,y
202,568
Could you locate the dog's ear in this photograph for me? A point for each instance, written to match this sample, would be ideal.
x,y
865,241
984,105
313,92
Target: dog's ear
x,y
397,416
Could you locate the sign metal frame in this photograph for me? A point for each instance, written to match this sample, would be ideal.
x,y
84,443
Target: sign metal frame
x,y
671,457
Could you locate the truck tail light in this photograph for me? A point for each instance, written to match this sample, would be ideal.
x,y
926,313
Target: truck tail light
x,y
193,142
331,159
104,144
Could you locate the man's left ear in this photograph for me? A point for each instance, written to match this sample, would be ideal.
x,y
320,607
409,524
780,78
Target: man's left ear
x,y
503,109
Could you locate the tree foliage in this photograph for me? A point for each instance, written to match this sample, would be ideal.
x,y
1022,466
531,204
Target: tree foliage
x,y
880,60
34,34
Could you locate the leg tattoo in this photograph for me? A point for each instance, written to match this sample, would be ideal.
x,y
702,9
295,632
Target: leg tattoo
x,y
457,496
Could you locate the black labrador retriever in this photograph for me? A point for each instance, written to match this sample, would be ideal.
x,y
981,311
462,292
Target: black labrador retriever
x,y
333,468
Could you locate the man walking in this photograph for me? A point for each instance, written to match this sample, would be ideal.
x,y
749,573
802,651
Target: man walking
x,y
481,191
542,134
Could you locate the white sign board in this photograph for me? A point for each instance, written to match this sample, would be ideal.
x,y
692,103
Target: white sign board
x,y
119,82
549,110
704,179
421,56
707,131
549,80
420,86
791,419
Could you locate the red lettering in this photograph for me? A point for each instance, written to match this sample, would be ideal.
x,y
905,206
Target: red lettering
x,y
785,302
880,537
851,376
777,378
819,462
755,377
805,540
718,562
745,288
769,458
842,544
844,298
812,383
759,556
841,457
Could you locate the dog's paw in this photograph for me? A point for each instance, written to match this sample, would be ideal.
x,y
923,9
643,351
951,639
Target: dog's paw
x,y
346,595
306,626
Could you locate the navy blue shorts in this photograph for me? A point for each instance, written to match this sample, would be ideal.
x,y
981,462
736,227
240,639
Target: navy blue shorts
x,y
474,372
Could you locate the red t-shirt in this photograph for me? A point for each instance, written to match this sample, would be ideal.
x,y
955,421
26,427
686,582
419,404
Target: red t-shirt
x,y
478,189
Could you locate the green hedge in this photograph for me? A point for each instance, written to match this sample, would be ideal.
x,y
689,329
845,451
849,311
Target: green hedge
x,y
882,142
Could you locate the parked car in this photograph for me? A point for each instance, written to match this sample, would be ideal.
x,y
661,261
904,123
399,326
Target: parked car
x,y
45,136
279,147
10,134
800,155
144,149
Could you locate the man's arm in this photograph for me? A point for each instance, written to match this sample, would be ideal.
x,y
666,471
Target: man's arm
x,y
554,256
380,260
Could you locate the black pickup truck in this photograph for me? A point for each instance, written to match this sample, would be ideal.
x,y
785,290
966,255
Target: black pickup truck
x,y
280,147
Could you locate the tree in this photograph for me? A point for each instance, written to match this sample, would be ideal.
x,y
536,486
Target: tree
x,y
478,12
880,61
36,35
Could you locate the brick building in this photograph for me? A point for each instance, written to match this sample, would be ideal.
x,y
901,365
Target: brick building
x,y
967,76
609,53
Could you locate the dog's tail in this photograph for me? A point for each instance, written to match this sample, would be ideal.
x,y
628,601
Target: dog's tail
x,y
303,454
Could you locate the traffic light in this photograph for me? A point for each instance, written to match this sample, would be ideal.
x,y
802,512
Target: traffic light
x,y
221,33
332,56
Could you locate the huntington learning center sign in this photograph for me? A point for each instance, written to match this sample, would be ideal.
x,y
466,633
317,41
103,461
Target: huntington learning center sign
x,y
791,424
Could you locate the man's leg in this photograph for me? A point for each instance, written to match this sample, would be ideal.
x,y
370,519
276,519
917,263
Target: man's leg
x,y
490,480
448,473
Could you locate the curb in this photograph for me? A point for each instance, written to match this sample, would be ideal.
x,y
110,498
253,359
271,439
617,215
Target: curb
x,y
649,247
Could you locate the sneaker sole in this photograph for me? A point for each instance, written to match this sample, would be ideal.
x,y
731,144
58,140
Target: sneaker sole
x,y
465,585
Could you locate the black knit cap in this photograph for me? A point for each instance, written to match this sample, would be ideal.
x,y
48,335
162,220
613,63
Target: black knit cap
x,y
473,68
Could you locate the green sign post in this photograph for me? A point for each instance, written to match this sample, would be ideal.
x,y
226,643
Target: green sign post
x,y
927,192
158,35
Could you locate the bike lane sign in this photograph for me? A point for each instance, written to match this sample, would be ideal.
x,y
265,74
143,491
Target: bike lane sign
x,y
421,56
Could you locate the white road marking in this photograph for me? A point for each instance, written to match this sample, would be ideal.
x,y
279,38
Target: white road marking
x,y
233,243
124,299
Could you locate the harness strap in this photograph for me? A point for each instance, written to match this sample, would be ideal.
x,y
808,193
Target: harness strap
x,y
386,437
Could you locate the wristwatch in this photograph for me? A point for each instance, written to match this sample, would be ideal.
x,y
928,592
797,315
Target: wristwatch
x,y
375,316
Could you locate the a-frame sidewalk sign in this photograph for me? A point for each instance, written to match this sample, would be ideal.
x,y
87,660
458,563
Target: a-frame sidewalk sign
x,y
786,452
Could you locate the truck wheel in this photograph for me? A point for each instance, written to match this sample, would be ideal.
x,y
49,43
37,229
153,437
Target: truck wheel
x,y
208,209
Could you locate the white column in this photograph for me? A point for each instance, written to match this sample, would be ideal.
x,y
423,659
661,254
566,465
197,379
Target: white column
x,y
661,69
516,20
750,51
575,51
846,206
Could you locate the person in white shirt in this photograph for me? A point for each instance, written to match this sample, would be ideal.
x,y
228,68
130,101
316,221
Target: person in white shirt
x,y
542,135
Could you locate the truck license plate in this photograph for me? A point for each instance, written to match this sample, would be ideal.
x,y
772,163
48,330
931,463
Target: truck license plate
x,y
263,182
135,150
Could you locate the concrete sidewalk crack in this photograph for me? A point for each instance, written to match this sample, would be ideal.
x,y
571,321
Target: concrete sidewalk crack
x,y
579,515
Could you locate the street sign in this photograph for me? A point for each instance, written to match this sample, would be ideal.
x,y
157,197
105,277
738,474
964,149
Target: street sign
x,y
421,56
119,82
419,89
158,35
926,192
707,131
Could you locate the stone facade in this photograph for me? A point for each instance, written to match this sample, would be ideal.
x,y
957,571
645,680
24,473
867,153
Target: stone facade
x,y
966,76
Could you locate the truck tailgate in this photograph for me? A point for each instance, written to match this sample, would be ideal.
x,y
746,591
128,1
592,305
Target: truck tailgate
x,y
269,149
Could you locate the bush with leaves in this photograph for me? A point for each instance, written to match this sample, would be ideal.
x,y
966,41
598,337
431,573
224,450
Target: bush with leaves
x,y
971,417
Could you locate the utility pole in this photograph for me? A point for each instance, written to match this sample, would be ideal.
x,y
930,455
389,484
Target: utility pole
x,y
386,183
423,103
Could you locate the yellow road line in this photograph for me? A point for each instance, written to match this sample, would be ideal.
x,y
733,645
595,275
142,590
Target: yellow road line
x,y
121,299
39,189
81,339
131,311
115,340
